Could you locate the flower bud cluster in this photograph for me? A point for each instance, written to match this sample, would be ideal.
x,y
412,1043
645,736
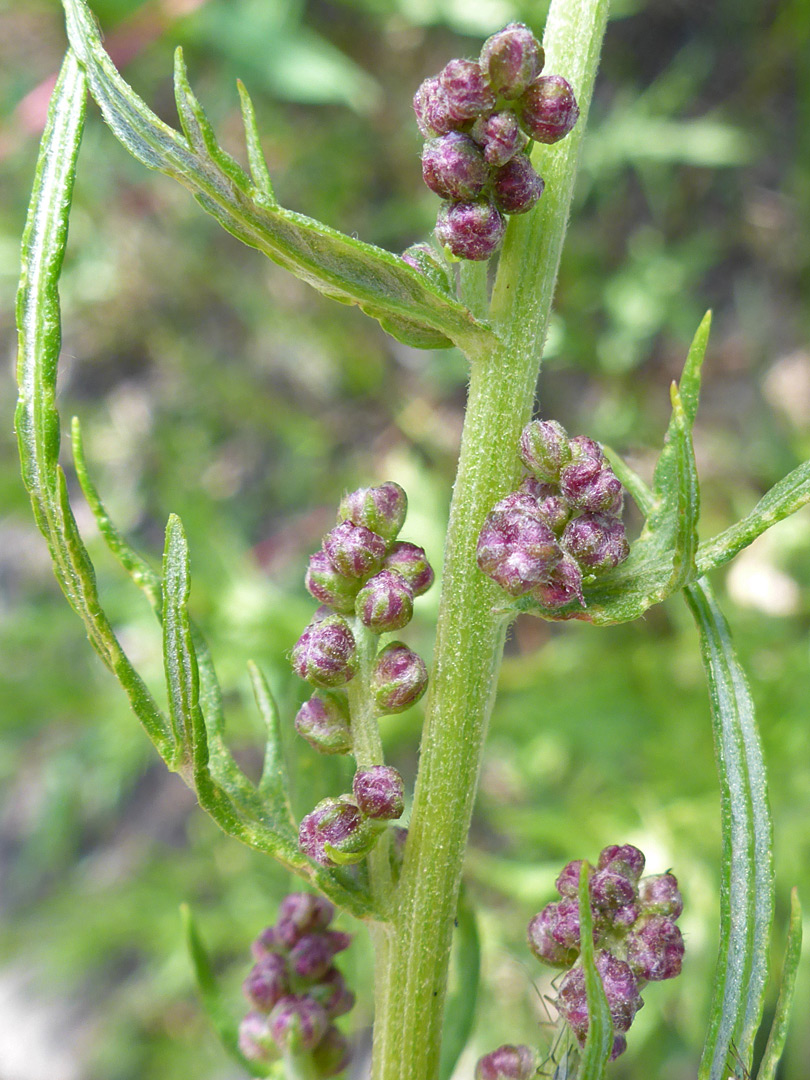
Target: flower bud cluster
x,y
294,989
634,931
479,118
343,830
561,525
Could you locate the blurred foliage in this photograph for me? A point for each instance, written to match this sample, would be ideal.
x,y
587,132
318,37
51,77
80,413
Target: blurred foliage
x,y
237,398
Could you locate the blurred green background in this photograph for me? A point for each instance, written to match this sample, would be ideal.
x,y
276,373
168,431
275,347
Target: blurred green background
x,y
211,384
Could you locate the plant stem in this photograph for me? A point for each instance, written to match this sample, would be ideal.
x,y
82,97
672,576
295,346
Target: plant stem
x,y
469,643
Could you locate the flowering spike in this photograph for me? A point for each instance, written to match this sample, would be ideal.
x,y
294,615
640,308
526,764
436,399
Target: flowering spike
x,y
381,509
470,230
453,166
548,109
324,722
511,60
398,680
507,1063
379,792
326,653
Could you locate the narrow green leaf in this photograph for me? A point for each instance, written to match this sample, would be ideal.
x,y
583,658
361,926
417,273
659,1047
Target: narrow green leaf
x,y
779,1028
599,1042
689,385
339,266
258,166
36,417
273,786
459,1012
211,997
746,897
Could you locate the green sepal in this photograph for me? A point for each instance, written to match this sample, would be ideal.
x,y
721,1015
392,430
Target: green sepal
x,y
599,1042
459,1010
781,1017
384,286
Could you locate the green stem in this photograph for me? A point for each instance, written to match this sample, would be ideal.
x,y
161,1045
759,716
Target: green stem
x,y
469,644
300,1067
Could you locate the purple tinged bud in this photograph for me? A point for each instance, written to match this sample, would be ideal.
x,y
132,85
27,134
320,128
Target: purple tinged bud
x,y
555,511
621,991
572,1003
354,550
597,542
548,109
267,942
379,792
470,230
507,1063
398,680
465,90
623,859
306,912
410,562
545,450
511,59
326,653
432,109
604,494
385,602
660,895
338,940
298,1023
517,550
655,948
425,259
611,890
563,587
578,475
624,917
332,1054
554,936
267,982
255,1039
336,833
381,509
567,883
516,187
333,994
453,166
311,957
324,722
619,1047
325,582
499,136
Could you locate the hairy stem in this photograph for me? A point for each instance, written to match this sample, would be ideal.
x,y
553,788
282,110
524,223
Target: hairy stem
x,y
469,644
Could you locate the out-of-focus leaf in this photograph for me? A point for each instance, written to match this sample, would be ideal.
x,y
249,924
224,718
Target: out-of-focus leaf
x,y
273,786
781,1018
599,1042
337,265
459,1012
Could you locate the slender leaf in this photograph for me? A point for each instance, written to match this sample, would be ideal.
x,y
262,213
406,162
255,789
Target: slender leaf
x,y
36,417
459,1012
778,1033
599,1043
259,172
385,287
273,786
746,896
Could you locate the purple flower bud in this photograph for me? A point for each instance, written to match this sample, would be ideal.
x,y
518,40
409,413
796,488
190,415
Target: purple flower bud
x,y
545,450
621,990
326,654
333,994
311,957
624,917
660,895
255,1040
530,485
507,1063
511,59
354,550
602,493
548,109
265,943
453,167
336,832
410,562
655,948
332,1054
611,890
381,509
425,259
398,680
597,542
267,982
324,722
385,602
380,792
623,859
517,550
298,1023
470,230
555,511
544,935
499,136
567,883
619,1047
466,90
563,587
579,472
516,187
338,940
306,912
325,582
572,1003
432,109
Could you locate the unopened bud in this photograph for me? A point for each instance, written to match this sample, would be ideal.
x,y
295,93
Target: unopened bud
x,y
516,187
624,859
466,90
507,1063
379,792
511,59
470,230
410,562
385,602
333,994
567,883
354,550
311,957
563,587
548,109
545,450
332,1054
597,542
324,722
298,1023
655,948
660,895
255,1039
381,509
517,550
611,890
267,982
499,137
325,582
544,941
325,654
398,680
432,109
453,166
337,833
306,912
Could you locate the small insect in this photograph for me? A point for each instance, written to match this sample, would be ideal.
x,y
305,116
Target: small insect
x,y
739,1068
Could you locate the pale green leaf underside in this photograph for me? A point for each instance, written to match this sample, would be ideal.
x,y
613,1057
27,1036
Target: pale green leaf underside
x,y
337,265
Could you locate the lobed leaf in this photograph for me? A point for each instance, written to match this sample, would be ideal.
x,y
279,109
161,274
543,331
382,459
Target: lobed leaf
x,y
385,287
599,1043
